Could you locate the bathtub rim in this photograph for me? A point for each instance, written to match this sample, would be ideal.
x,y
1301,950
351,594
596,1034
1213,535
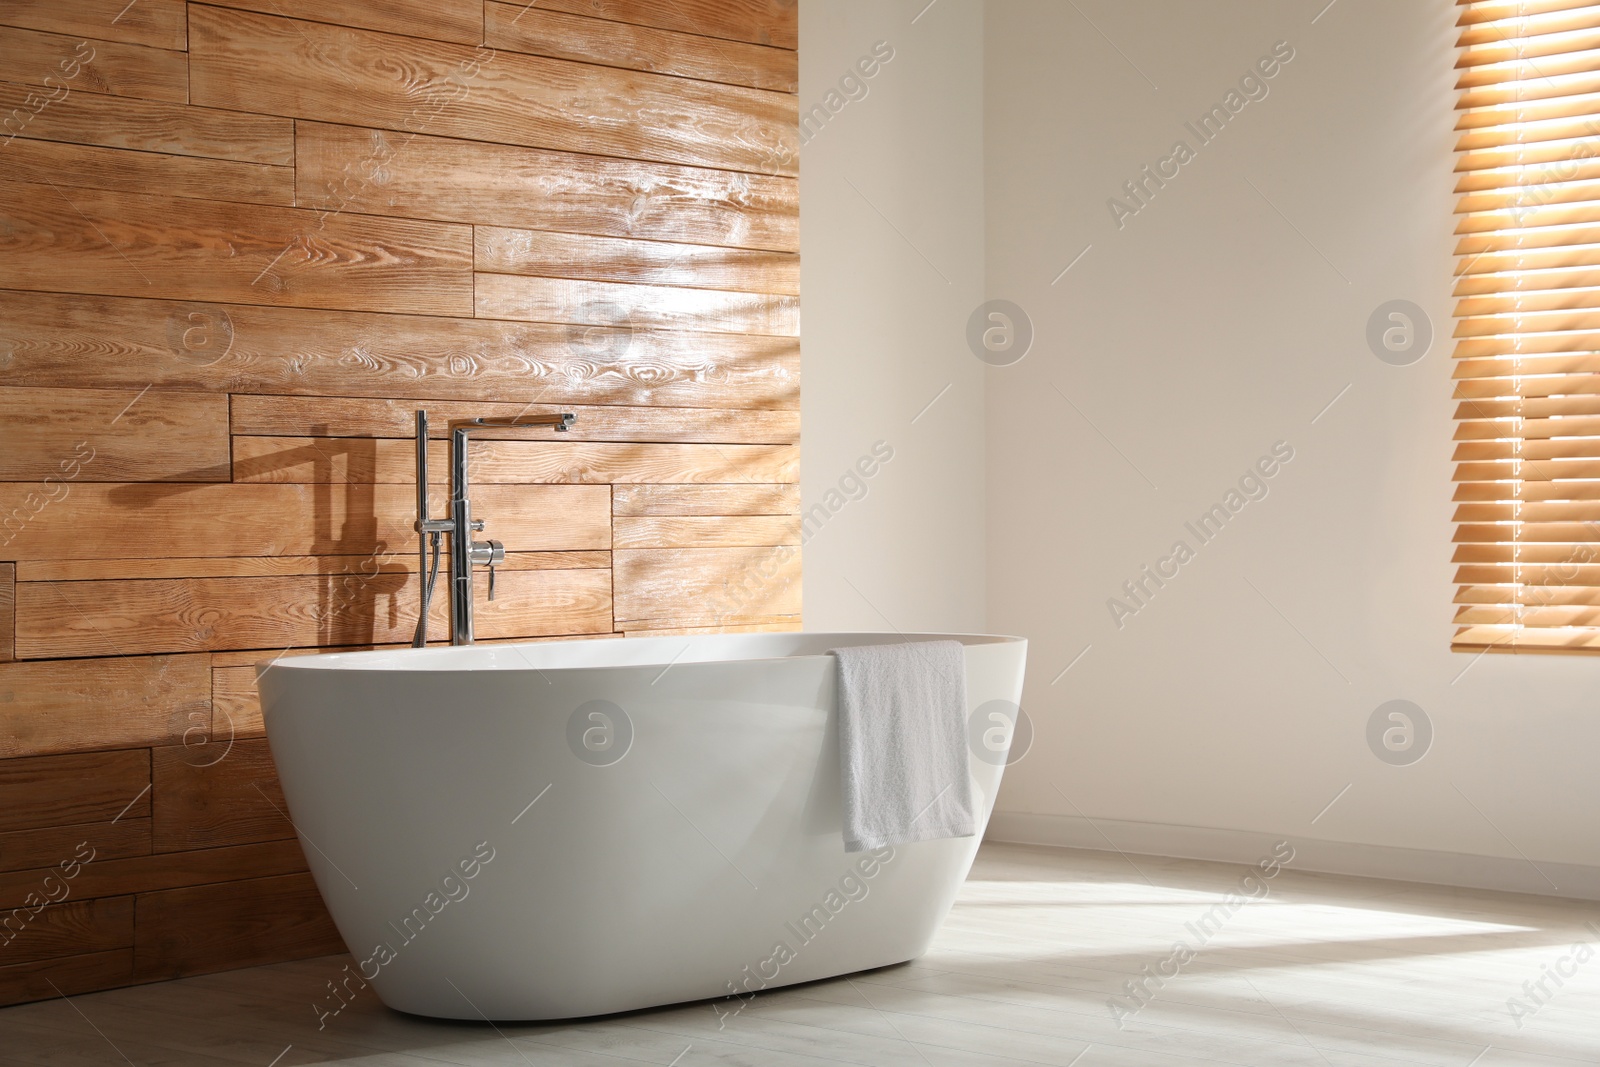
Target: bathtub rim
x,y
375,658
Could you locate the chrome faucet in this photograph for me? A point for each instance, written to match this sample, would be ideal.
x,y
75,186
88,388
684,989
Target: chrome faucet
x,y
465,552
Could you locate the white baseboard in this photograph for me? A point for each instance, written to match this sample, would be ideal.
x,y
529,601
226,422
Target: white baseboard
x,y
1540,877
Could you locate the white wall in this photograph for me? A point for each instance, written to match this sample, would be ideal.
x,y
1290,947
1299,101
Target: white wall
x,y
1218,320
892,263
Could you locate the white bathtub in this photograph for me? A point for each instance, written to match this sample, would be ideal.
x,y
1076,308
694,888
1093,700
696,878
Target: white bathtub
x,y
685,869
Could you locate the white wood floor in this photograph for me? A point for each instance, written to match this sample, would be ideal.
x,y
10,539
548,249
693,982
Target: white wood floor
x,y
1322,971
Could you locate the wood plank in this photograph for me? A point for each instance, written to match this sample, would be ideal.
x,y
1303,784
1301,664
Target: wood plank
x,y
82,570
541,253
93,167
231,798
57,790
553,561
533,603
124,244
521,27
704,500
72,928
774,624
538,461
704,531
151,126
138,521
50,845
209,928
337,461
167,870
113,436
506,296
8,612
704,586
156,23
52,979
769,22
438,20
96,65
352,460
79,706
128,617
113,342
309,70
293,416
120,617
454,180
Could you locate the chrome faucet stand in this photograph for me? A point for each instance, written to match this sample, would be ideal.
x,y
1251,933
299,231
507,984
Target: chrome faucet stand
x,y
465,551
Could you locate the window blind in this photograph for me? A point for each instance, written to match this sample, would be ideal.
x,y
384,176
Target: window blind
x,y
1527,357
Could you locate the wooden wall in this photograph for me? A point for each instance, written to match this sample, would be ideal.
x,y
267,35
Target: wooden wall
x,y
240,243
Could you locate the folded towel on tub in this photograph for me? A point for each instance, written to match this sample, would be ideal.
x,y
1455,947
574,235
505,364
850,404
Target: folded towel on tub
x,y
903,743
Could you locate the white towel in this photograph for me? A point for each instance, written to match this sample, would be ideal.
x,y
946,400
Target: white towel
x,y
903,743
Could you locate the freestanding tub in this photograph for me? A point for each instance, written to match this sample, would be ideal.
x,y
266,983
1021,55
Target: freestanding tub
x,y
560,829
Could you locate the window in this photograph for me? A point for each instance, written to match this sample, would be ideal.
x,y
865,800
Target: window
x,y
1527,364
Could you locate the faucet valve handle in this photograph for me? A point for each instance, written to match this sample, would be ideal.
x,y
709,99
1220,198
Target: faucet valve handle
x,y
489,554
477,526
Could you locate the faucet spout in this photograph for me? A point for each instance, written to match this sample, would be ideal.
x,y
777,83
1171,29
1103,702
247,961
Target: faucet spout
x,y
559,422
